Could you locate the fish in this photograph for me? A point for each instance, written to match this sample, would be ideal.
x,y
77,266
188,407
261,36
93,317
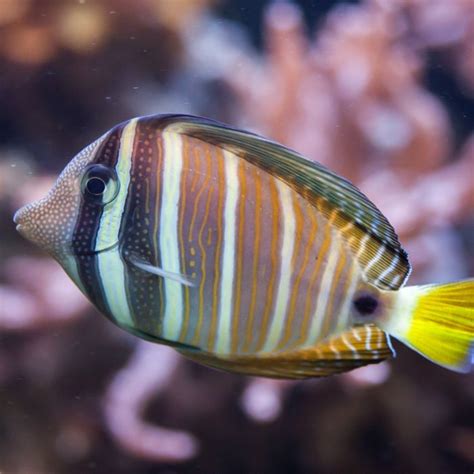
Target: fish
x,y
241,254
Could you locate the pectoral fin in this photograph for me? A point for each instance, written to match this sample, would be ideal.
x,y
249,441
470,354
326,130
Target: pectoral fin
x,y
359,346
155,270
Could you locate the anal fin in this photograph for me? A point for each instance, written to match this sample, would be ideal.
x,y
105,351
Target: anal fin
x,y
359,346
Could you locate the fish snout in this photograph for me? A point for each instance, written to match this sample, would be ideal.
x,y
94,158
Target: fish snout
x,y
22,219
48,222
19,215
30,222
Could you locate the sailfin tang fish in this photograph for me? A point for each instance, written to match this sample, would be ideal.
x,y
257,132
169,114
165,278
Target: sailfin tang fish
x,y
241,254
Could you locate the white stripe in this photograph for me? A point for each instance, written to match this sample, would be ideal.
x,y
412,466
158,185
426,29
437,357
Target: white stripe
x,y
380,345
110,264
350,346
223,339
286,255
375,259
356,334
169,243
368,336
389,343
362,245
324,292
333,348
395,280
112,272
389,269
348,226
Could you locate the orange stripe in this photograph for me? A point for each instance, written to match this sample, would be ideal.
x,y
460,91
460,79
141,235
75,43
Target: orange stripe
x,y
348,279
310,296
329,308
238,271
205,186
273,252
217,263
256,256
194,181
295,293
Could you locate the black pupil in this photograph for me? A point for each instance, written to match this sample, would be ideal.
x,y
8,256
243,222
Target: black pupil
x,y
366,304
95,186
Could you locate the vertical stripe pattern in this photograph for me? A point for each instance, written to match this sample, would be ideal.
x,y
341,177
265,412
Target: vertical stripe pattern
x,y
111,269
228,254
169,243
270,271
286,256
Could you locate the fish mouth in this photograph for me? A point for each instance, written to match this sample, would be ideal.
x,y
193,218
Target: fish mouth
x,y
17,218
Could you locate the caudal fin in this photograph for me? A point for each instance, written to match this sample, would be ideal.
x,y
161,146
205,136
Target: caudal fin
x,y
438,322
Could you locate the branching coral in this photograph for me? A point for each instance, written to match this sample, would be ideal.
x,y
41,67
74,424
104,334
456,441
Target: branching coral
x,y
353,100
147,374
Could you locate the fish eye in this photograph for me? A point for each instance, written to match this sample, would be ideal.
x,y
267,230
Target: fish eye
x,y
96,186
99,184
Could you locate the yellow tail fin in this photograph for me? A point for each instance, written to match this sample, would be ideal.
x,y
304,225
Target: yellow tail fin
x,y
438,322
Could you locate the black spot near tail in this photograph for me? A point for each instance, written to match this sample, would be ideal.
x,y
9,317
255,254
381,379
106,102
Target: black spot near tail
x,y
366,304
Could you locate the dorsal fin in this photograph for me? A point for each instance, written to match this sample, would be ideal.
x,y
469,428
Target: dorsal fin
x,y
368,233
359,346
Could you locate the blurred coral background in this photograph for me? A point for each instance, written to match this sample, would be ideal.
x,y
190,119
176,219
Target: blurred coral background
x,y
381,91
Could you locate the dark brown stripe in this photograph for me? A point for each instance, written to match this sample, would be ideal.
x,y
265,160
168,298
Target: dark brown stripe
x,y
88,221
140,228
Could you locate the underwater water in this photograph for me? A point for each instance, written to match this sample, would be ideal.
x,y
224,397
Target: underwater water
x,y
380,92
